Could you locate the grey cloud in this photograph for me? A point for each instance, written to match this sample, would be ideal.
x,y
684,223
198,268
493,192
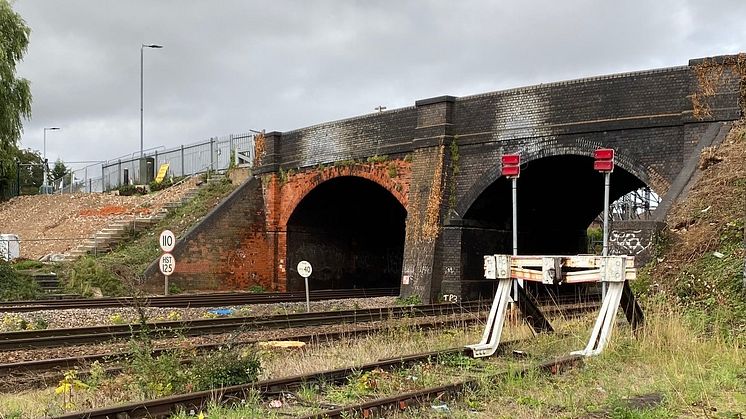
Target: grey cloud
x,y
232,65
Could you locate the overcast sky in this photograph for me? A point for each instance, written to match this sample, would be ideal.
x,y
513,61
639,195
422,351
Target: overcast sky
x,y
232,65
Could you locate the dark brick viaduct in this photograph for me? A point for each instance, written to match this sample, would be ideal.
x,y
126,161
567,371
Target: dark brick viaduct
x,y
414,196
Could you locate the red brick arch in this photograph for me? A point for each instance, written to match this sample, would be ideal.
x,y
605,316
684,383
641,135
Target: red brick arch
x,y
392,175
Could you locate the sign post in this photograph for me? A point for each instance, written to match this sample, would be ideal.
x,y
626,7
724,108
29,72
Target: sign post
x,y
511,168
604,163
304,269
167,262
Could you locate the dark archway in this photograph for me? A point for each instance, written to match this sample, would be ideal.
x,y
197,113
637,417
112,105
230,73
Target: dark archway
x,y
558,198
352,231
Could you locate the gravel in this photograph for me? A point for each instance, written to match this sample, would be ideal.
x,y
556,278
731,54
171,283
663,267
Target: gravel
x,y
86,317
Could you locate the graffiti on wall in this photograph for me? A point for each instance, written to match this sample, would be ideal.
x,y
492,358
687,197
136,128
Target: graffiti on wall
x,y
630,242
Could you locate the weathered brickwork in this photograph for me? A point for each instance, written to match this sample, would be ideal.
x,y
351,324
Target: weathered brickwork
x,y
655,120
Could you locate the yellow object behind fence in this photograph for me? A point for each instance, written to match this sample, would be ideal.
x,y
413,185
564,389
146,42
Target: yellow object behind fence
x,y
162,171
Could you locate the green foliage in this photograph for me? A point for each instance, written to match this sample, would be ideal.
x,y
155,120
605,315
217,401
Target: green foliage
x,y
15,93
16,286
377,159
345,163
30,173
129,190
408,158
710,289
410,300
23,264
157,186
59,171
594,240
174,289
225,367
257,289
87,273
392,170
285,175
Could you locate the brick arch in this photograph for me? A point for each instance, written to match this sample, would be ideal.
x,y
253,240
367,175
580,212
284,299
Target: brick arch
x,y
299,185
647,175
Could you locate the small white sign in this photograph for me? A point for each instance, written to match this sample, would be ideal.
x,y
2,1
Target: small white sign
x,y
405,279
304,269
167,241
167,264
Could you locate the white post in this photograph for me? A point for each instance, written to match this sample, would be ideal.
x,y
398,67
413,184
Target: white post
x,y
165,284
514,187
605,252
308,297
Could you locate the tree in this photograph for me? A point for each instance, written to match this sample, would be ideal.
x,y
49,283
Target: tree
x,y
58,172
15,93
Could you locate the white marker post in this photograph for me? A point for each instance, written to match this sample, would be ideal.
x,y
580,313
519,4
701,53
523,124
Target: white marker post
x,y
304,269
167,263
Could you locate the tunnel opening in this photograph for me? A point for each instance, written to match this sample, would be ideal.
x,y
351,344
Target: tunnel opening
x,y
559,198
352,232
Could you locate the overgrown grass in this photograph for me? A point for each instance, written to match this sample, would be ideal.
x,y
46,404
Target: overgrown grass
x,y
127,262
15,285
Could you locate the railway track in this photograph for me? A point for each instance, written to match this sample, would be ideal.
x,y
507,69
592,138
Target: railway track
x,y
59,365
197,401
50,338
194,300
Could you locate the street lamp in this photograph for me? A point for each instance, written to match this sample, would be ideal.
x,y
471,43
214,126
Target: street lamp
x,y
142,47
46,166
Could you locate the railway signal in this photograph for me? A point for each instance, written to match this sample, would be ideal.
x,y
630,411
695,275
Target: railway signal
x,y
511,169
511,165
603,161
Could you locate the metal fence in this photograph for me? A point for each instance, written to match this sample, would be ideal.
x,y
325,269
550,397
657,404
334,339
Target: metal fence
x,y
214,154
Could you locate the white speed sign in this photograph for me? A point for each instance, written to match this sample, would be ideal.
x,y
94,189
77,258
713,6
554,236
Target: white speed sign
x,y
304,269
167,263
167,241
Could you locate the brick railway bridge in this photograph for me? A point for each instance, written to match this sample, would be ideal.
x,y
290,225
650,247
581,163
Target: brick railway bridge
x,y
414,196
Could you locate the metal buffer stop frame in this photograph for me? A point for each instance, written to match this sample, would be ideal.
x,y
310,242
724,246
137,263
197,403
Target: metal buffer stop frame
x,y
613,272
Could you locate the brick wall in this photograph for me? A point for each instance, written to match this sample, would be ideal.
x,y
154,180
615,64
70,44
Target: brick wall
x,y
655,120
230,249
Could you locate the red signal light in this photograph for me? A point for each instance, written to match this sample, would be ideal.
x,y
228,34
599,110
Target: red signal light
x,y
604,160
511,165
604,154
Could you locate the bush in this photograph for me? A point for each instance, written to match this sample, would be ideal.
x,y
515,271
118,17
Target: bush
x,y
24,264
129,190
257,289
16,286
156,186
88,273
225,367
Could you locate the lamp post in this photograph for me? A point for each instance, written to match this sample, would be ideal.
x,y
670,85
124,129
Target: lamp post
x,y
142,47
46,165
